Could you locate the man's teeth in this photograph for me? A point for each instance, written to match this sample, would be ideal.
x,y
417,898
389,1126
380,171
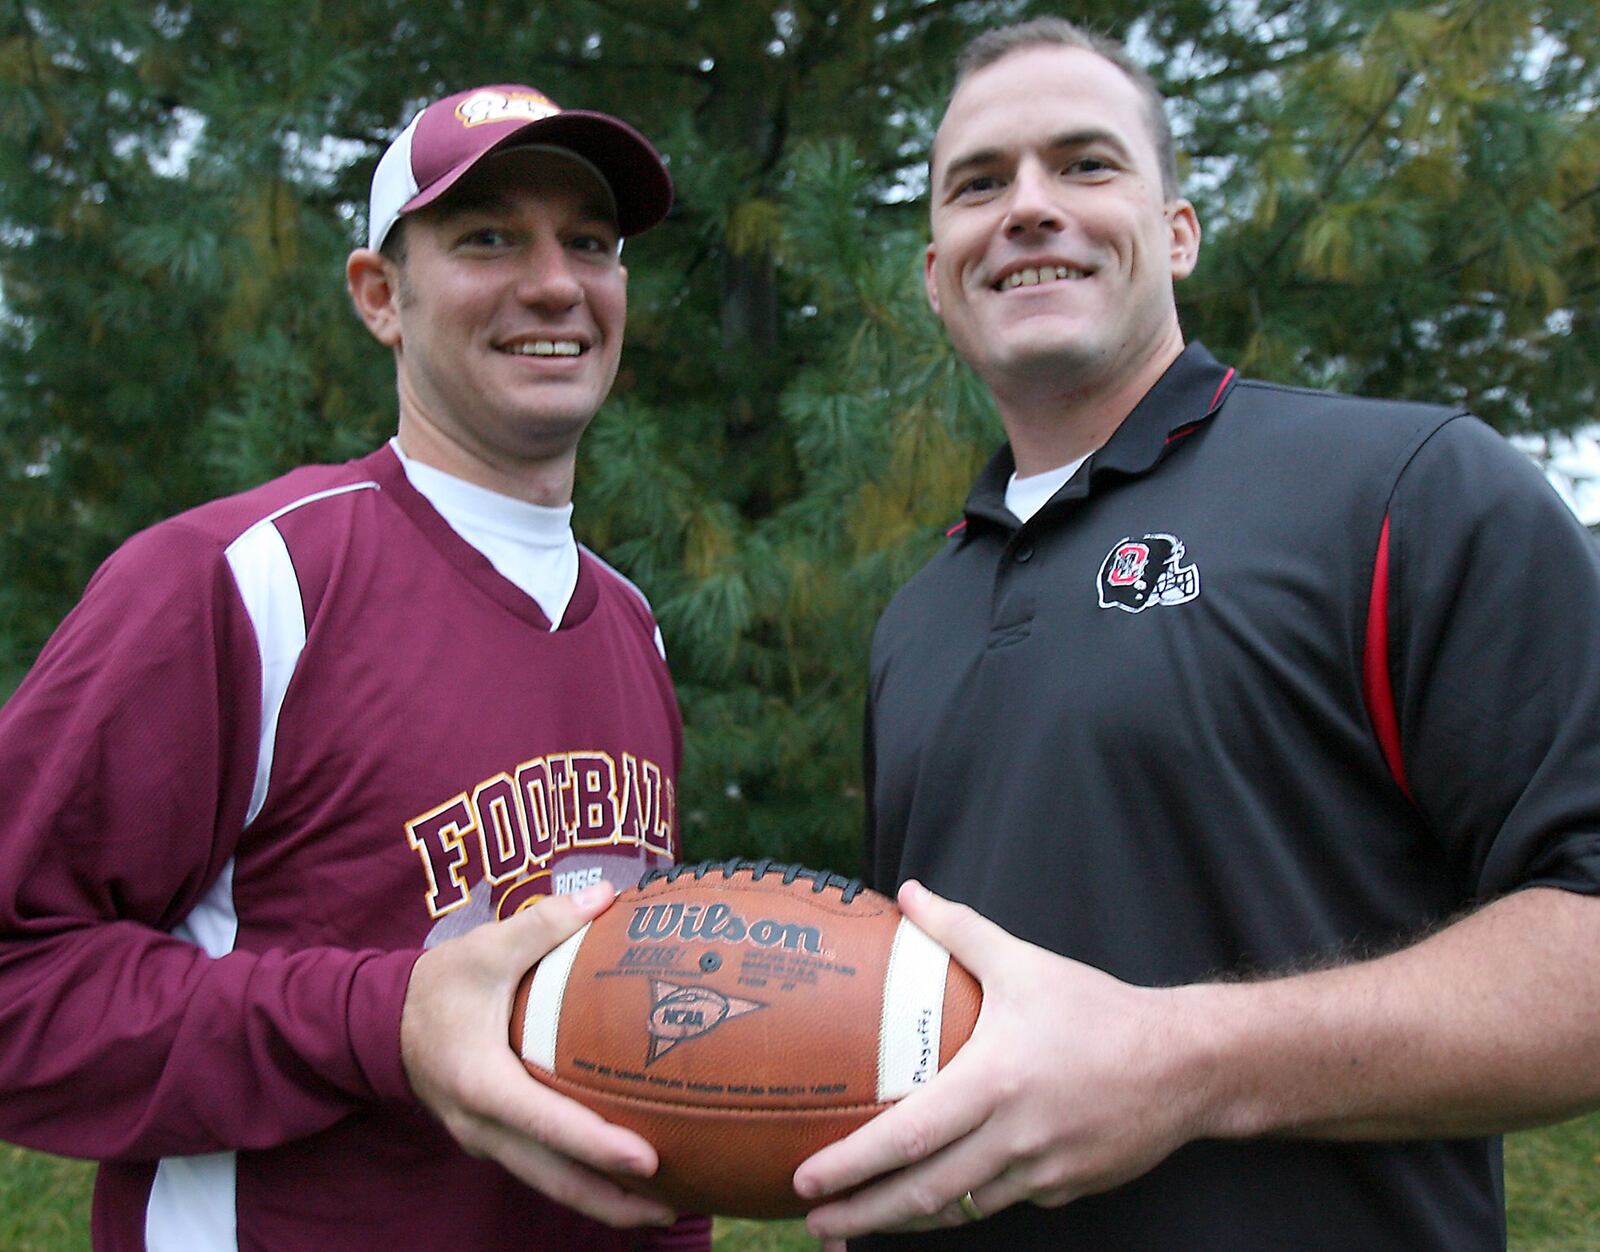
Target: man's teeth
x,y
547,347
1033,277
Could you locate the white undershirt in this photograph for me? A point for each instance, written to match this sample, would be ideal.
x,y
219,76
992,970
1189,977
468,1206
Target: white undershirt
x,y
529,544
1026,496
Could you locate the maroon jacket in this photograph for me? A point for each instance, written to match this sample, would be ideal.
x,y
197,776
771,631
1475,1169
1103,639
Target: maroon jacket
x,y
285,741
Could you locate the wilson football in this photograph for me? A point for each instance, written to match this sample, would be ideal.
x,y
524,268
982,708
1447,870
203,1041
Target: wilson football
x,y
740,1015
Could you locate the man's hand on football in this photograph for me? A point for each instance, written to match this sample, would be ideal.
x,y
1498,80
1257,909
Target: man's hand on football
x,y
454,1043
1065,1088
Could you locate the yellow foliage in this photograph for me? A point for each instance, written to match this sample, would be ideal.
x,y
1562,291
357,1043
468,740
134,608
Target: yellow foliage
x,y
1366,84
810,587
1329,247
1435,122
81,217
928,476
755,227
269,229
882,518
1414,33
1436,175
160,70
269,223
1487,33
1283,167
1524,275
1267,354
17,62
1577,167
708,541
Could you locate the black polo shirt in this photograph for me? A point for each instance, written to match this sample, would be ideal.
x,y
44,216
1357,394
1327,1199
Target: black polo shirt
x,y
1278,676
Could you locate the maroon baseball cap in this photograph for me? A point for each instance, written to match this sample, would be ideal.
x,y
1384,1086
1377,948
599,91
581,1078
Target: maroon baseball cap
x,y
452,135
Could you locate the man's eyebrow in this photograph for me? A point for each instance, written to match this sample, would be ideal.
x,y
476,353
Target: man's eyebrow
x,y
980,158
1088,137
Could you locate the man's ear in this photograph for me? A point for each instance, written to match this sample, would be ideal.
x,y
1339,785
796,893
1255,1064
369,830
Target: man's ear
x,y
373,281
1184,224
929,283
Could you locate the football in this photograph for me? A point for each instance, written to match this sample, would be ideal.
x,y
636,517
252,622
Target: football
x,y
740,1015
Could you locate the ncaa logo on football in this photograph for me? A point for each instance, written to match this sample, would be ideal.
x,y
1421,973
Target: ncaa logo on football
x,y
679,1013
1144,571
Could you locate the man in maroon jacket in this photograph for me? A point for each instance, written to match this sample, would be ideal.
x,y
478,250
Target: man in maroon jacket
x,y
294,747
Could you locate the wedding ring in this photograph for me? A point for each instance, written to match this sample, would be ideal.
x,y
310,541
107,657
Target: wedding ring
x,y
969,1206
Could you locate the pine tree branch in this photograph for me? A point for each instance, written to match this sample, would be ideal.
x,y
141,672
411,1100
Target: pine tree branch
x,y
683,69
1581,198
824,45
1331,179
1273,15
30,41
1472,258
1349,155
777,134
819,13
1237,68
701,255
817,50
628,13
924,15
1243,58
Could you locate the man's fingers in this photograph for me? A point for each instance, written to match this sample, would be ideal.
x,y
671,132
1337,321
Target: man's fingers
x,y
574,1185
454,1037
913,1129
972,939
565,1126
529,934
924,1196
928,1195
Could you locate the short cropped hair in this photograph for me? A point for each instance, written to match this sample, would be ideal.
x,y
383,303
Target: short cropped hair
x,y
985,49
394,243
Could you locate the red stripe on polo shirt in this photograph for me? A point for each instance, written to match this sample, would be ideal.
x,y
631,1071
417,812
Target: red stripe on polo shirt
x,y
1375,682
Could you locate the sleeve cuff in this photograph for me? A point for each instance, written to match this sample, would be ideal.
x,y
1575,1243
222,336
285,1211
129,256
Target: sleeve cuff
x,y
376,998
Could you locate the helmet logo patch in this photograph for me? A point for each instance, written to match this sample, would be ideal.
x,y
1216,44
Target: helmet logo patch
x,y
1138,573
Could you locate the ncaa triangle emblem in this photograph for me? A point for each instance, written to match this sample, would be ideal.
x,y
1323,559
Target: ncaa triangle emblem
x,y
679,1013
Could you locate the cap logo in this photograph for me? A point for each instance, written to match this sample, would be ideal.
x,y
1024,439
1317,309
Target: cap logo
x,y
482,107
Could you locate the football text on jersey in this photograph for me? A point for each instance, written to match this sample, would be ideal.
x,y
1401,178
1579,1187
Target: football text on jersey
x,y
514,823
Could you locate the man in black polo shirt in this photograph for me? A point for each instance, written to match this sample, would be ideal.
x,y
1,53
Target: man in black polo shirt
x,y
1257,732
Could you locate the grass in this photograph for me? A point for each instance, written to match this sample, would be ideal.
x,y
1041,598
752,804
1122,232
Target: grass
x,y
44,1202
1553,1187
1552,1199
732,1235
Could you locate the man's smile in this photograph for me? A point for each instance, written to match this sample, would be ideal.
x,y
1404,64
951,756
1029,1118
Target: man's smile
x,y
545,347
1034,275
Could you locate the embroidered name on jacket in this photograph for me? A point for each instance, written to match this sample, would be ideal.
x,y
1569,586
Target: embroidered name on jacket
x,y
1144,571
